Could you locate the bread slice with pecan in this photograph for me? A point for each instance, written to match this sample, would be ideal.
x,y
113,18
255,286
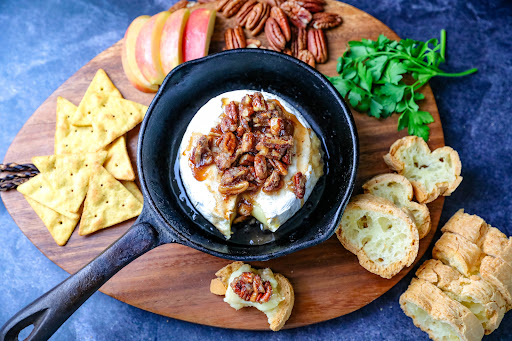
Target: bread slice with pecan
x,y
437,314
280,301
431,173
381,235
484,301
396,188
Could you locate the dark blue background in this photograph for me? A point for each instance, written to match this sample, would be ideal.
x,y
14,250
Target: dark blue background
x,y
42,43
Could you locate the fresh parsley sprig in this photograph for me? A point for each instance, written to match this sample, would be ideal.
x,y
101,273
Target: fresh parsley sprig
x,y
371,77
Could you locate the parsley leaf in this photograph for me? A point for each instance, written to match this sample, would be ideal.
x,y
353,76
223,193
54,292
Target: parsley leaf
x,y
371,77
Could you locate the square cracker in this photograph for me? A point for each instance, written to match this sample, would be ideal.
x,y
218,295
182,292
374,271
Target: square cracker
x,y
70,139
115,119
63,181
97,94
108,203
60,226
118,162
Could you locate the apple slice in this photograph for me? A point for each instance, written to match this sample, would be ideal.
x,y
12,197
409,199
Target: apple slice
x,y
128,57
171,43
198,31
147,48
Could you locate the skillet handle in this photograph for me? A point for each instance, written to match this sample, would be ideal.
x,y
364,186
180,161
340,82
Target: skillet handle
x,y
51,310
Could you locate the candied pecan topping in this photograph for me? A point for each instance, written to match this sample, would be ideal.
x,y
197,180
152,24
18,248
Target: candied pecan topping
x,y
250,287
234,189
299,182
272,182
201,154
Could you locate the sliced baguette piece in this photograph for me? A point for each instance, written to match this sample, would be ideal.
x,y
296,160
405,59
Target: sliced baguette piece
x,y
396,188
499,274
484,301
459,253
489,239
438,315
431,173
278,316
381,235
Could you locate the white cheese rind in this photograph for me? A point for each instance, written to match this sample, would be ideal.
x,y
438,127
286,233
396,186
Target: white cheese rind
x,y
272,209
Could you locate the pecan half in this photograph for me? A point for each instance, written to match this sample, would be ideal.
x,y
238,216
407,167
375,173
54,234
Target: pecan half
x,y
307,57
237,188
298,15
227,143
258,102
276,126
299,182
299,40
312,5
246,160
179,5
241,17
255,43
317,45
260,166
219,7
280,167
275,36
201,154
235,38
259,24
325,20
230,120
282,20
272,182
233,175
232,7
248,142
250,287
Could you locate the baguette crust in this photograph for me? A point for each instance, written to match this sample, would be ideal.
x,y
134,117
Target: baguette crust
x,y
395,159
277,317
489,239
474,291
499,274
459,253
372,205
441,308
396,188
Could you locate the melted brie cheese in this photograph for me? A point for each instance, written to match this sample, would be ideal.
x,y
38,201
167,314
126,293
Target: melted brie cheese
x,y
271,209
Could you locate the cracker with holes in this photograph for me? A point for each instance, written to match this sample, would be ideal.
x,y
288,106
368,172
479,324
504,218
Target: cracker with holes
x,y
63,181
96,95
60,226
431,173
382,236
398,189
118,162
115,119
108,203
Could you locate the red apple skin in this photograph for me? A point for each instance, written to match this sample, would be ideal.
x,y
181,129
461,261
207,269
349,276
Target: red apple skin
x,y
171,43
130,67
198,32
147,48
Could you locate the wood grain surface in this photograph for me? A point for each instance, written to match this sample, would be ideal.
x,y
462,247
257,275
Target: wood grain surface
x,y
173,280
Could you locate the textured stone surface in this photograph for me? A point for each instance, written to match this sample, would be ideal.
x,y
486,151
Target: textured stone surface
x,y
45,42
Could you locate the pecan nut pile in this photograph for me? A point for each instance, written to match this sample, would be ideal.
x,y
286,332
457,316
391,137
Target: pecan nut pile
x,y
250,287
292,26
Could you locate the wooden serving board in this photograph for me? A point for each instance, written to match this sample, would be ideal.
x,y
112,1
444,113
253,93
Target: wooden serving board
x,y
173,280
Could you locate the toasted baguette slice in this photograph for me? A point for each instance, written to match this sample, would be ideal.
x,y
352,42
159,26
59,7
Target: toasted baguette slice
x,y
383,237
278,316
431,173
398,189
459,253
438,315
489,239
484,301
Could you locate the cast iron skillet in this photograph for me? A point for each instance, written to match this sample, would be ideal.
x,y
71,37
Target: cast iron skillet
x,y
168,217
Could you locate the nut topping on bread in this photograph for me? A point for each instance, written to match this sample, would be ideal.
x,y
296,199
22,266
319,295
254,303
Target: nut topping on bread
x,y
244,286
431,173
